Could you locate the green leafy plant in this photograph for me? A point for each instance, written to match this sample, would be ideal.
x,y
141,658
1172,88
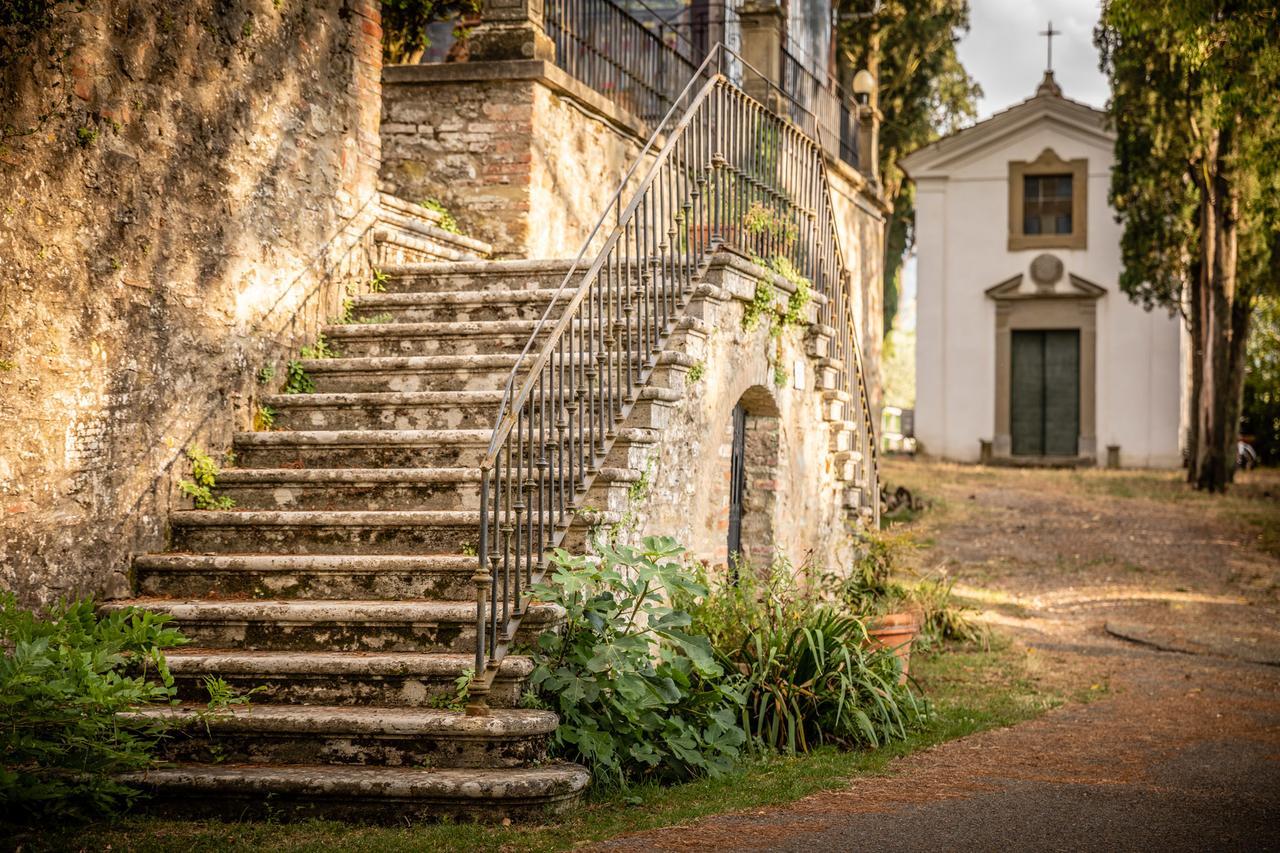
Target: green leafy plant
x,y
204,477
447,222
640,697
65,678
320,349
374,319
812,675
697,371
86,136
378,284
457,700
266,373
297,380
264,419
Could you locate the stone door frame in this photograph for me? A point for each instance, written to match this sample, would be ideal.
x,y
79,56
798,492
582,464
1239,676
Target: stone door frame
x,y
1068,305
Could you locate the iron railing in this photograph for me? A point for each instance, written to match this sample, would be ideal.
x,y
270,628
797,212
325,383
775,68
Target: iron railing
x,y
716,155
604,46
836,114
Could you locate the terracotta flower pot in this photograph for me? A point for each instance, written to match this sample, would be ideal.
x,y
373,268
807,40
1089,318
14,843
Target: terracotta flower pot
x,y
895,631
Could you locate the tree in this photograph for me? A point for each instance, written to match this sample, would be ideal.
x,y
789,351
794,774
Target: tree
x,y
1195,185
923,93
1261,420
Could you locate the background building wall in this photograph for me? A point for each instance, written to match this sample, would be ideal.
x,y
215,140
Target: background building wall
x,y
187,215
962,222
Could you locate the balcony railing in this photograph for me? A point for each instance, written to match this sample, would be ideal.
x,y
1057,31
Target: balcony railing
x,y
836,114
716,156
602,45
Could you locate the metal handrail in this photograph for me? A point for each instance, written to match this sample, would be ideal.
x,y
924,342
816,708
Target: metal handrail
x,y
725,154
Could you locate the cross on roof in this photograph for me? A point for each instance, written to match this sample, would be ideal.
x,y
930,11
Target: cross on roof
x,y
1048,37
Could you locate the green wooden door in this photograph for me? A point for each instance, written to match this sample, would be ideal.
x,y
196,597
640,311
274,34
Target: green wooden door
x,y
1044,394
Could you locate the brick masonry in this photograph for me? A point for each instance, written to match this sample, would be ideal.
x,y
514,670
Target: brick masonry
x,y
187,215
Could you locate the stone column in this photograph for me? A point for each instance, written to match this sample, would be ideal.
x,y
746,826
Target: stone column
x,y
763,26
510,29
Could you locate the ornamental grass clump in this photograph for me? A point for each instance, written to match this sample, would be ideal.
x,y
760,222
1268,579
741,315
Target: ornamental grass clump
x,y
640,696
812,675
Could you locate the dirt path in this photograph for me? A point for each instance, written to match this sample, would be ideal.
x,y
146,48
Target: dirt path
x,y
1173,600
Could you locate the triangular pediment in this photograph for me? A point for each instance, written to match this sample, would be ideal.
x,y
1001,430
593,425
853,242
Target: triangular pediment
x,y
1065,115
1072,287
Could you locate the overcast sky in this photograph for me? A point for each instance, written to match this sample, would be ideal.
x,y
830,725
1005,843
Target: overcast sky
x,y
1006,56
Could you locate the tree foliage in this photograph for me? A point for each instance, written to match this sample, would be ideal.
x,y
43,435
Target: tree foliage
x,y
1196,184
924,93
1262,382
404,25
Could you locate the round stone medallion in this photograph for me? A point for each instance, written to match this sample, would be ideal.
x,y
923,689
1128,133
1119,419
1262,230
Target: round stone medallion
x,y
1046,269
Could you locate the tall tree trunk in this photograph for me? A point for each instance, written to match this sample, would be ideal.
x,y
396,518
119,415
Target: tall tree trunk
x,y
1196,317
1219,242
1241,313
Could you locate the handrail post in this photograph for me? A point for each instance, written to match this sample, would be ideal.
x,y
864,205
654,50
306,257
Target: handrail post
x,y
511,29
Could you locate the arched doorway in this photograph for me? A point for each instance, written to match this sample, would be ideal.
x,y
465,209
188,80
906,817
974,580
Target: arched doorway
x,y
754,444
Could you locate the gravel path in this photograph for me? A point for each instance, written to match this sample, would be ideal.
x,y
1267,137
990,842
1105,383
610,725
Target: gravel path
x,y
1168,600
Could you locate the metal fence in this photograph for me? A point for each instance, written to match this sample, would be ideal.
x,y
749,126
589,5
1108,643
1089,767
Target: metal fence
x,y
836,114
720,160
604,46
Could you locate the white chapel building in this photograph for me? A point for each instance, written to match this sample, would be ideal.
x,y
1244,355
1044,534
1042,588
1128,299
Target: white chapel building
x,y
1026,349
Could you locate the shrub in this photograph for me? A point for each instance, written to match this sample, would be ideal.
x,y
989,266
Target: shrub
x,y
812,677
640,697
204,478
64,679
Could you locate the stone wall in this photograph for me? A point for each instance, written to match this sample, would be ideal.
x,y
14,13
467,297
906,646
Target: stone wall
x,y
524,156
187,215
794,497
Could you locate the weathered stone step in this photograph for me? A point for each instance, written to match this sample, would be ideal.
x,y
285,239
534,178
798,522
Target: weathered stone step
x,y
362,448
351,488
414,410
363,794
345,532
413,373
335,626
336,734
324,532
373,488
478,275
460,305
326,577
474,337
398,448
400,679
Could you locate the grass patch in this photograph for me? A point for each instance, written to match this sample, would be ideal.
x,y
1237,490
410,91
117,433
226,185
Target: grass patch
x,y
971,689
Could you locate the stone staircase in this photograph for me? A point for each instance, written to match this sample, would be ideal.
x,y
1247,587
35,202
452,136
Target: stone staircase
x,y
341,585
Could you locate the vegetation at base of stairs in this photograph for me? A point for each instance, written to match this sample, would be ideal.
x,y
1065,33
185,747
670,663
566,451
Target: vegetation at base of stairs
x,y
447,221
404,25
204,478
640,698
970,690
812,675
65,678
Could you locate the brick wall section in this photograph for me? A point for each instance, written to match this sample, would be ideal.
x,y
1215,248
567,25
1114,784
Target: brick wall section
x,y
525,157
190,216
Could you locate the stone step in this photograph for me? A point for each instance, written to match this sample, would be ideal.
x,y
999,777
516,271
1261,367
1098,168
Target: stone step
x,y
414,373
460,305
335,626
475,337
324,532
393,737
362,794
419,410
351,488
373,488
440,277
386,448
322,578
400,679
